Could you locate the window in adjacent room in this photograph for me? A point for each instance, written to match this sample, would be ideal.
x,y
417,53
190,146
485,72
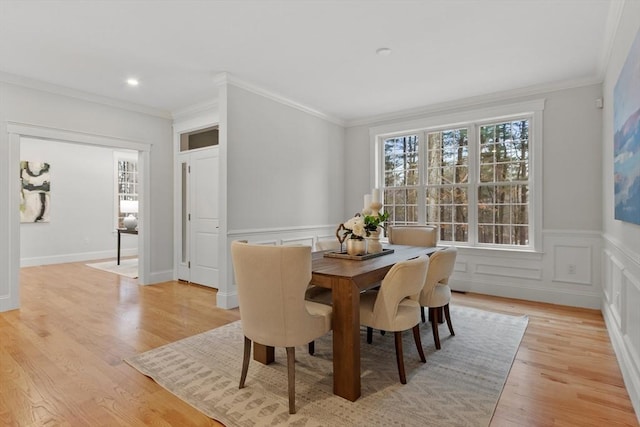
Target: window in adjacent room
x,y
126,186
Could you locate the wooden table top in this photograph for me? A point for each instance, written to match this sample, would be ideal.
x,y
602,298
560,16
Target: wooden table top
x,y
365,272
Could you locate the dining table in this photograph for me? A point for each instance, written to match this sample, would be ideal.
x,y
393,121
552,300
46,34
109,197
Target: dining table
x,y
347,278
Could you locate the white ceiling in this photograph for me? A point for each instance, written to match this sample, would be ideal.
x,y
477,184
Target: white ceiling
x,y
318,53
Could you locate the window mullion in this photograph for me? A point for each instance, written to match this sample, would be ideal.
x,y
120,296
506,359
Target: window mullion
x,y
422,158
474,179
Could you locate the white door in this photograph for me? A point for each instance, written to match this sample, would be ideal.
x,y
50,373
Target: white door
x,y
200,222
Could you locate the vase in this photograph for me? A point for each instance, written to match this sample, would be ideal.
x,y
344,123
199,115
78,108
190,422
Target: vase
x,y
373,242
356,247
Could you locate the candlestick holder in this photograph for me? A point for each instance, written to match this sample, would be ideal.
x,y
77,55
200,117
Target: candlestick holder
x,y
375,208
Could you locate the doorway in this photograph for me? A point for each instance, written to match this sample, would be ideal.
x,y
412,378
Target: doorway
x,y
19,130
199,216
197,205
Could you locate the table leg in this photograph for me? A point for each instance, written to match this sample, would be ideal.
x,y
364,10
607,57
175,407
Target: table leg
x,y
263,353
346,339
119,234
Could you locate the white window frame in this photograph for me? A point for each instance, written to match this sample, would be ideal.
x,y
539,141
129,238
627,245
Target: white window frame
x,y
472,118
121,156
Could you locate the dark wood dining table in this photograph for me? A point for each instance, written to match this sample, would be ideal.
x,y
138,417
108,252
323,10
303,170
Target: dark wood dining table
x,y
347,278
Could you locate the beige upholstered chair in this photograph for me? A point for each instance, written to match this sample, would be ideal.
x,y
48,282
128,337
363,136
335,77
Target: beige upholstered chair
x,y
271,284
436,293
328,245
394,307
413,235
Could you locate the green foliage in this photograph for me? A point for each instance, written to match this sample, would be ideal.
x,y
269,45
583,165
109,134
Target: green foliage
x,y
371,222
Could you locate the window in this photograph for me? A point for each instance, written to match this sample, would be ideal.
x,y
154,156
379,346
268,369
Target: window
x,y
126,174
473,180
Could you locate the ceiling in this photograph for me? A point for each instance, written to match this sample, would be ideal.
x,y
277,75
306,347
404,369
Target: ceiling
x,y
321,54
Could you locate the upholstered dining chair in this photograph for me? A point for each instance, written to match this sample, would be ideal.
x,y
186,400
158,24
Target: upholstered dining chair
x,y
413,235
316,293
436,293
394,307
271,283
328,244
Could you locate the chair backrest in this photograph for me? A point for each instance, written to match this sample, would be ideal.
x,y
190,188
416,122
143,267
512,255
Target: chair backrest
x,y
328,244
271,283
441,264
404,280
413,235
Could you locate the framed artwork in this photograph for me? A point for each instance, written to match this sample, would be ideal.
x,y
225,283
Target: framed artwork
x,y
626,139
34,191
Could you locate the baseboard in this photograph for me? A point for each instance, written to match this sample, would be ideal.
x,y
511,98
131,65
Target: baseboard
x,y
551,296
630,374
227,300
77,257
158,277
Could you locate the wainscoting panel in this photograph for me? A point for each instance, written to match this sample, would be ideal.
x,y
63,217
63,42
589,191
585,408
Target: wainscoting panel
x,y
516,272
562,273
620,302
631,314
572,264
307,240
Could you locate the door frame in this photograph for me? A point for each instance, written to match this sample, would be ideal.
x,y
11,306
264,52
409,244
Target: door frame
x,y
187,157
18,130
204,119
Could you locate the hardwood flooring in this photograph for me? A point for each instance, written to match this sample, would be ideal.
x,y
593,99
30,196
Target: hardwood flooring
x,y
61,355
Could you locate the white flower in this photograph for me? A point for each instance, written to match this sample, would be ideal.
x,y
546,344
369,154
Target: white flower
x,y
356,226
358,229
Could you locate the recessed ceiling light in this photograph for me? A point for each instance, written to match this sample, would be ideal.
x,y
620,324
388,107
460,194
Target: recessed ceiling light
x,y
383,51
133,82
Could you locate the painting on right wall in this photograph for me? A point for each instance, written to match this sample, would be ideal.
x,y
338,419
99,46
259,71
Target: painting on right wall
x,y
626,139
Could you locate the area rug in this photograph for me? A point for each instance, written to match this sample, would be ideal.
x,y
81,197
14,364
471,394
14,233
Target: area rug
x,y
458,386
128,267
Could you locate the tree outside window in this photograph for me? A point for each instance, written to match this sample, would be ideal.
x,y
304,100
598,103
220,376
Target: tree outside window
x,y
431,176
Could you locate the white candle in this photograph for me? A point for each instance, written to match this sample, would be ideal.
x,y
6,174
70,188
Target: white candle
x,y
376,195
367,201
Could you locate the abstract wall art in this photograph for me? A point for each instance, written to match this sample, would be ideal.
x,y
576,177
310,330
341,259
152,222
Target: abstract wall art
x,y
626,139
34,191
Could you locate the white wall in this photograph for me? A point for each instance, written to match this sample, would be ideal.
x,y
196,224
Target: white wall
x,y
621,297
285,179
572,213
47,109
82,206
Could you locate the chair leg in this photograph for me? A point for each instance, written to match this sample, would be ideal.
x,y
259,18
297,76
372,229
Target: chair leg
x,y
448,317
312,347
422,314
369,335
434,326
416,338
291,368
400,357
245,361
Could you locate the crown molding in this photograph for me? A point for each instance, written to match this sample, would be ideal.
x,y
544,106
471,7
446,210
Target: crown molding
x,y
611,32
475,101
30,83
192,110
227,78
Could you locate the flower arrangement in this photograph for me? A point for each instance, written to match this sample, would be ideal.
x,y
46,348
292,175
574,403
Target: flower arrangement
x,y
355,228
360,227
372,222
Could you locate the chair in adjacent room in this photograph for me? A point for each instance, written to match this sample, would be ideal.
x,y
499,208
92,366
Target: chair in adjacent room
x,y
436,293
394,307
271,283
413,235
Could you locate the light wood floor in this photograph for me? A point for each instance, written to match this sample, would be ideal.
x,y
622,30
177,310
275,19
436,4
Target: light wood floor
x,y
61,355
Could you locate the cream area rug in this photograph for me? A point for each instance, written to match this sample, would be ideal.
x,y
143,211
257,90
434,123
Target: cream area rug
x,y
458,386
128,267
